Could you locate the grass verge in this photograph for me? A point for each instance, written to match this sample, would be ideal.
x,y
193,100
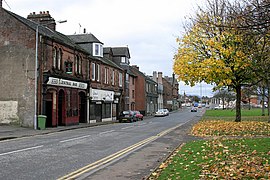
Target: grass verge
x,y
219,159
229,154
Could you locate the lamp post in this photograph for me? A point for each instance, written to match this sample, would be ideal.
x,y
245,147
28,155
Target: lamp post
x,y
36,69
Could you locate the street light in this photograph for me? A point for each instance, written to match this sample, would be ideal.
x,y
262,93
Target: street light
x,y
36,69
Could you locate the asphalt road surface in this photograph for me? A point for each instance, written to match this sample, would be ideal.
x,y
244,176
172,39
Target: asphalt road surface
x,y
114,151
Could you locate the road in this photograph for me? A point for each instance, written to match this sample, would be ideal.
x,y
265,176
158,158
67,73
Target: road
x,y
89,153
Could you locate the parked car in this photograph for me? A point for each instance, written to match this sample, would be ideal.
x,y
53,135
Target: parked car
x,y
166,112
162,112
138,115
193,109
127,116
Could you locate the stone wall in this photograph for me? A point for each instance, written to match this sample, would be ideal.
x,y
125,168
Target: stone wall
x,y
17,65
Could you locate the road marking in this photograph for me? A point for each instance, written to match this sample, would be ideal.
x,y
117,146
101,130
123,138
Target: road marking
x,y
21,150
110,158
72,139
106,132
127,127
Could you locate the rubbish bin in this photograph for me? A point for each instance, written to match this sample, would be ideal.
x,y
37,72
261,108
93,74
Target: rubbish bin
x,y
41,122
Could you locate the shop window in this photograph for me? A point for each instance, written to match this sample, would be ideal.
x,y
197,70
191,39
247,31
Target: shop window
x,y
72,103
106,109
92,111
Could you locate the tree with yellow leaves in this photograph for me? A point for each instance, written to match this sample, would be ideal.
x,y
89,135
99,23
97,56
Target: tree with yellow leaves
x,y
212,51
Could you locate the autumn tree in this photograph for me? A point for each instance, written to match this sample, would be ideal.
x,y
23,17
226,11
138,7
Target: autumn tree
x,y
212,50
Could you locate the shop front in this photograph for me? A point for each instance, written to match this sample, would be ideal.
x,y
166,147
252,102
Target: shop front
x,y
65,102
102,106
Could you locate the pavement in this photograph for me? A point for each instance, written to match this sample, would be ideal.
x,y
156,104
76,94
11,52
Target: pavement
x,y
15,131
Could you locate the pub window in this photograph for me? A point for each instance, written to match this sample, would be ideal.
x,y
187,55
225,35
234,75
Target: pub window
x,y
79,65
68,102
59,62
76,64
87,69
55,56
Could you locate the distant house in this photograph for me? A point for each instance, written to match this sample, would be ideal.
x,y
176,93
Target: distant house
x,y
146,92
171,93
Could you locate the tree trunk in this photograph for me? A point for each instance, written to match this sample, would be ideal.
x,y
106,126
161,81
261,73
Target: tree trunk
x,y
238,103
263,95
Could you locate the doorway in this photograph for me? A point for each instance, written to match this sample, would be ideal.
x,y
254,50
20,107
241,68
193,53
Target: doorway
x,y
49,111
98,112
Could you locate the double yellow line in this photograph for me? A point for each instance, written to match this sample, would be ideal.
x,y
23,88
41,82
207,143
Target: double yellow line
x,y
112,157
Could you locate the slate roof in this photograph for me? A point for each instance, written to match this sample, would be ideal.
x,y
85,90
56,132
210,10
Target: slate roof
x,y
84,38
147,78
120,51
54,35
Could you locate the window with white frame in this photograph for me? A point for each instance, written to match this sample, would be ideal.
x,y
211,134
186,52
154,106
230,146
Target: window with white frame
x,y
59,63
98,72
123,59
76,63
55,56
106,75
120,79
112,80
87,69
80,65
97,49
93,76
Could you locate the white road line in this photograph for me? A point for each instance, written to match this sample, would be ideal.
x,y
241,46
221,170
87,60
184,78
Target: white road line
x,y
107,132
127,127
72,139
21,150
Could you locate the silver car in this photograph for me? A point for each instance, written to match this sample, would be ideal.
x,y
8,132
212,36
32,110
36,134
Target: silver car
x,y
162,112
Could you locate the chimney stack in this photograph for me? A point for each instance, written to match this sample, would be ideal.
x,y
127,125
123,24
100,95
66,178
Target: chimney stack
x,y
43,18
135,66
1,3
160,77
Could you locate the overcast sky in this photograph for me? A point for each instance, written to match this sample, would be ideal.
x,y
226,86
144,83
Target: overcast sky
x,y
148,27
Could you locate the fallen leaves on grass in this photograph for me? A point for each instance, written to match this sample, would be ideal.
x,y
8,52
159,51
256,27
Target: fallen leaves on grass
x,y
230,128
245,163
